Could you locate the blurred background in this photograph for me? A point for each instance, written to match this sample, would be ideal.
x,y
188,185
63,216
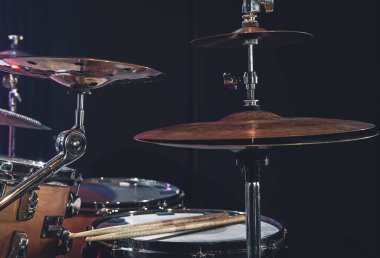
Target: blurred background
x,y
327,196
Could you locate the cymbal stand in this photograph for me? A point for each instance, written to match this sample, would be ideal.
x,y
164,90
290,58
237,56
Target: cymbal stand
x,y
251,163
10,82
70,145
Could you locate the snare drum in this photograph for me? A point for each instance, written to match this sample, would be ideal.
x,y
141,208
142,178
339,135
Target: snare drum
x,y
226,241
34,220
105,196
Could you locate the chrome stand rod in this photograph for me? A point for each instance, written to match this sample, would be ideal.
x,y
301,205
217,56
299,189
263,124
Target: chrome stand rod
x,y
70,145
251,163
79,113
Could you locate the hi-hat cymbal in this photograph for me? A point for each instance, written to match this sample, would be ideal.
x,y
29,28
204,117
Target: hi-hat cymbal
x,y
13,53
265,38
84,72
14,119
258,129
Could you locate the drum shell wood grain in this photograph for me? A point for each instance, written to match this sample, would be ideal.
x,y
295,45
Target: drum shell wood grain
x,y
52,200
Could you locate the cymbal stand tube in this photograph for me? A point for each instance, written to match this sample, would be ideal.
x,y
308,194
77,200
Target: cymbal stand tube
x,y
251,164
79,112
10,82
70,145
250,79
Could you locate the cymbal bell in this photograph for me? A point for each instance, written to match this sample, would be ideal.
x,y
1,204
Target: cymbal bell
x,y
84,72
263,38
14,119
258,129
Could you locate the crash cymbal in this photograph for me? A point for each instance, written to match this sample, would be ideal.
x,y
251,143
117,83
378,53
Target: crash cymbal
x,y
265,38
258,129
17,120
13,53
84,72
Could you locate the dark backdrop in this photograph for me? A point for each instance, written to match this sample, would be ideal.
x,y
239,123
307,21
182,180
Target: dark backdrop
x,y
327,196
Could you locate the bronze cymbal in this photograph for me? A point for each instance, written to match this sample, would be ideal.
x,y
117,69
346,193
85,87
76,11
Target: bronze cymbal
x,y
84,72
13,53
14,119
258,129
265,38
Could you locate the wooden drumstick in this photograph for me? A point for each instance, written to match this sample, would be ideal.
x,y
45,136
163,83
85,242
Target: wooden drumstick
x,y
151,224
170,228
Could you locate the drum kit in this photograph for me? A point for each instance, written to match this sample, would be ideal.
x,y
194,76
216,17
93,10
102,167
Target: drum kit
x,y
47,209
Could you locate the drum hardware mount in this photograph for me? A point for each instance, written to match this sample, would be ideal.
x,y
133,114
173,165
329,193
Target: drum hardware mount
x,y
28,205
74,203
70,145
66,243
10,82
19,245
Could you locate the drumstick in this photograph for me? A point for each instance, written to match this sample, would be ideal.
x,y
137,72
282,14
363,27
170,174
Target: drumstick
x,y
170,228
151,224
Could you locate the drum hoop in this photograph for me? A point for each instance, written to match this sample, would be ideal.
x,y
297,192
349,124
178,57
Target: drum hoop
x,y
130,206
94,207
22,168
275,241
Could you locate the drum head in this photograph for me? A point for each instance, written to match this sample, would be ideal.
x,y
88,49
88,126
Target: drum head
x,y
222,240
127,194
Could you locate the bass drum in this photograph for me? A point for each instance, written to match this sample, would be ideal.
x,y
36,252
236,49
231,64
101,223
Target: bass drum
x,y
226,241
105,196
30,225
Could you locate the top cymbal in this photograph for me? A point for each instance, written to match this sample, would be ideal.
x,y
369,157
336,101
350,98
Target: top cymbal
x,y
265,38
17,120
258,129
84,72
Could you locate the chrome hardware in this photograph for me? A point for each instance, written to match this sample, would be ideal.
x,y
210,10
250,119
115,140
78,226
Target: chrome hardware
x,y
66,242
28,205
10,82
19,245
254,6
231,82
73,205
251,165
251,8
70,145
6,166
3,186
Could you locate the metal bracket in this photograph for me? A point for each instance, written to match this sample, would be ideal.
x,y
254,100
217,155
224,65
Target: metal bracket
x,y
66,242
19,245
52,226
73,205
28,205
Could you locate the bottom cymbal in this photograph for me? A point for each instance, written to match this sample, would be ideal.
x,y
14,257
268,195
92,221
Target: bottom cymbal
x,y
258,129
17,120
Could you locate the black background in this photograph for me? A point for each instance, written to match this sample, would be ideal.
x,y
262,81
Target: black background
x,y
327,196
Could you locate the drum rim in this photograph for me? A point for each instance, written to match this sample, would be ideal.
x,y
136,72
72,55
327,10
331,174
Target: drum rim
x,y
29,162
23,168
273,242
93,207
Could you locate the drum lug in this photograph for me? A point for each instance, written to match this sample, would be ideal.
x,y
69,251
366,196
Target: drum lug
x,y
28,206
66,242
73,205
3,186
19,245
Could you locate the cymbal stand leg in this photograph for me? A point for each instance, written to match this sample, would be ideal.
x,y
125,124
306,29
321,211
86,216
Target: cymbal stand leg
x,y
251,163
